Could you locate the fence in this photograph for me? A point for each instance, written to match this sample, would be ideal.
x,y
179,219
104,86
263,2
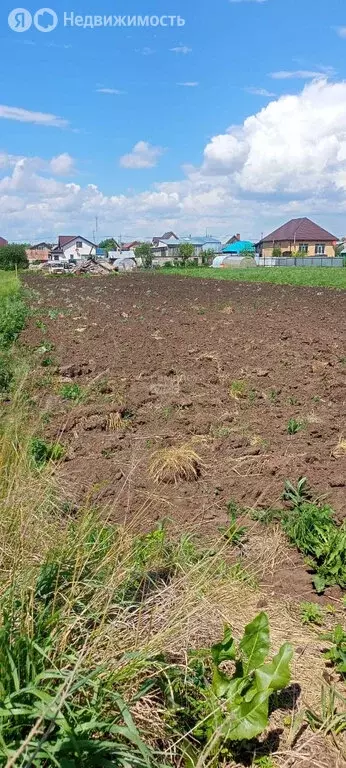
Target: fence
x,y
301,261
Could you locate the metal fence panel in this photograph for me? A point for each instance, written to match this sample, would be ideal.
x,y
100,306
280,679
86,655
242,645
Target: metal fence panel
x,y
305,261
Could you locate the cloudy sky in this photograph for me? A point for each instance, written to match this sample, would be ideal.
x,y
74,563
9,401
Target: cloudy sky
x,y
234,122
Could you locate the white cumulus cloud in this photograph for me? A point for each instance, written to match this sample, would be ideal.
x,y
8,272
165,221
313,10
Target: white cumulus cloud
x,y
295,144
286,160
143,155
62,165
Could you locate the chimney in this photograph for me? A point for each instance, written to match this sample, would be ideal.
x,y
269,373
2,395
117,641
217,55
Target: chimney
x,y
238,236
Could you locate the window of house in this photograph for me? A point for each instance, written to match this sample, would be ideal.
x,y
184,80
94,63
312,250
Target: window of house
x,y
79,244
319,249
303,247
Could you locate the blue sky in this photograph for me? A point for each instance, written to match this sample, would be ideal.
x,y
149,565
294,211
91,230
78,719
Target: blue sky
x,y
90,96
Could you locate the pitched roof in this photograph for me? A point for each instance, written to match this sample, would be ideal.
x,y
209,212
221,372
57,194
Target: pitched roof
x,y
233,239
166,236
65,239
299,229
3,241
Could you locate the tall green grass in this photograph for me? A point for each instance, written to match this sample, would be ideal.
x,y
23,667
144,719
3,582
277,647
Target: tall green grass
x,y
9,284
13,310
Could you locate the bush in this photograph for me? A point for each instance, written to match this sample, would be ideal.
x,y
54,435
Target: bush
x,y
13,256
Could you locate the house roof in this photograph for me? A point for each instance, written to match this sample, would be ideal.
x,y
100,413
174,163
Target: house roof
x,y
40,245
166,236
202,240
238,246
232,239
3,241
66,239
299,229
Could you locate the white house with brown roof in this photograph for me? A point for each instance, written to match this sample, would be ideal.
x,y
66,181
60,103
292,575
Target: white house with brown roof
x,y
73,248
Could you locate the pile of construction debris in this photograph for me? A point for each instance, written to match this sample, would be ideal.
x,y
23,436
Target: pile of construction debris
x,y
92,267
100,267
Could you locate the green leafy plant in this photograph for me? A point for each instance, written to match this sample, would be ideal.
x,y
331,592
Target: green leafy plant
x,y
47,361
42,452
297,493
266,516
337,653
240,701
294,426
265,761
273,396
71,392
310,526
311,613
233,532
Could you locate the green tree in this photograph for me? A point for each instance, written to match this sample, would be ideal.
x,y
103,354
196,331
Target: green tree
x,y
208,256
145,253
109,244
185,252
338,249
276,253
13,256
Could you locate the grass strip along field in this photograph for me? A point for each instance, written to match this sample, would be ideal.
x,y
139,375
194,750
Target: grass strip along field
x,y
328,277
112,645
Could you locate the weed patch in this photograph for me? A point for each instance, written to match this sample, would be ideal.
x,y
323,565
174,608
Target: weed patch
x,y
72,392
311,613
294,426
336,655
239,389
311,527
41,452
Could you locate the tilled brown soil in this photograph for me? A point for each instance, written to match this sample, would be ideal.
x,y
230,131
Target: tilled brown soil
x,y
167,351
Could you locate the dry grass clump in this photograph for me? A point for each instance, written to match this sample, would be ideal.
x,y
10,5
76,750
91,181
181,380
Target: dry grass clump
x,y
340,448
168,465
118,420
